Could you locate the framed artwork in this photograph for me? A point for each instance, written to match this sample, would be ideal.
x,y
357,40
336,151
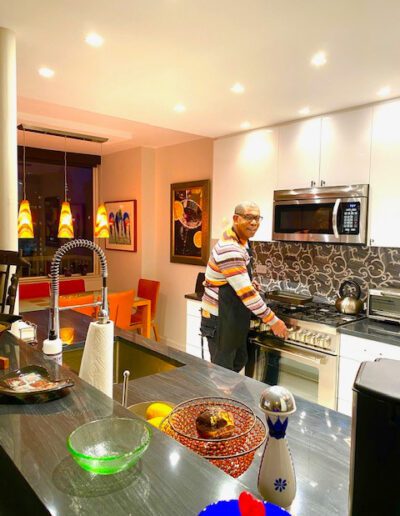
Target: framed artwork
x,y
122,224
190,222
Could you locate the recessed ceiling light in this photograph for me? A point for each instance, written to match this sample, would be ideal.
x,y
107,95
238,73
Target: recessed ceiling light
x,y
180,108
304,111
318,59
384,91
245,125
95,40
46,72
237,88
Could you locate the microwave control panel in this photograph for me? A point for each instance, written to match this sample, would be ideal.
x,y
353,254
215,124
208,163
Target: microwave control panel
x,y
350,220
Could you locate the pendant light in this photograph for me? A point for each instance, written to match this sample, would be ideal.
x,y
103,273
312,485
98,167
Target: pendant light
x,y
25,225
101,229
65,228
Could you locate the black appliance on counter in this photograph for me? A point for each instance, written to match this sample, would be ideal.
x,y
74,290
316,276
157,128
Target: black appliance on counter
x,y
375,441
199,288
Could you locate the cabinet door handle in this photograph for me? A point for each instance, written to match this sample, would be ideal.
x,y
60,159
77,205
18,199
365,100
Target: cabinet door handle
x,y
322,182
371,241
312,183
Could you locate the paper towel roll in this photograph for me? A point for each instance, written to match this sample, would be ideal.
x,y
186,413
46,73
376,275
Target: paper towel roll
x,y
97,360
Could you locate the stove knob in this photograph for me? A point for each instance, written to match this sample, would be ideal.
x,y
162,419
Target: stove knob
x,y
318,340
301,335
309,338
325,342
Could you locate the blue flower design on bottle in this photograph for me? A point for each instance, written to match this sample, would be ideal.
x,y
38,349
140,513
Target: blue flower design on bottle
x,y
280,484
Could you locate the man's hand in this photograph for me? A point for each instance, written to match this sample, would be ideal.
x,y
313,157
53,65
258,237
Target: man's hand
x,y
279,329
256,285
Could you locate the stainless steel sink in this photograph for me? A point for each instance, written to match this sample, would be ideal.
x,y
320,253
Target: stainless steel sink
x,y
127,355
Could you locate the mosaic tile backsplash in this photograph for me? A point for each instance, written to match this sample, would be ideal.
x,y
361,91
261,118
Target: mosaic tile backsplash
x,y
319,269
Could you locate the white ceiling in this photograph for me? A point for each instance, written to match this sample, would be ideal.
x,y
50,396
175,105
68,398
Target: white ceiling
x,y
161,52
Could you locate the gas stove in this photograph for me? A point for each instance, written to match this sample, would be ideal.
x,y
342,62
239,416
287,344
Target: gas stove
x,y
313,325
314,312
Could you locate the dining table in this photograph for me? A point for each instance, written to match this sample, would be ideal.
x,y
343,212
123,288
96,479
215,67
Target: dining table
x,y
41,303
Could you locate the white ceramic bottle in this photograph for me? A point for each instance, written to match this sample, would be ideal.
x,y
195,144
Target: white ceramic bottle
x,y
276,478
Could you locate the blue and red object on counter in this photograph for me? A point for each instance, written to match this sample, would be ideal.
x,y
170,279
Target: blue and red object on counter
x,y
247,505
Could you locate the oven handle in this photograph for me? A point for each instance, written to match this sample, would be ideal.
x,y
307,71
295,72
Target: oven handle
x,y
334,217
300,357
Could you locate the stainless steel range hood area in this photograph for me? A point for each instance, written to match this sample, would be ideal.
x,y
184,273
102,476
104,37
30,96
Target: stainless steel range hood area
x,y
328,214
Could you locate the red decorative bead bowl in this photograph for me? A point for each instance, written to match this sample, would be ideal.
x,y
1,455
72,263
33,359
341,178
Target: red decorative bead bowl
x,y
232,454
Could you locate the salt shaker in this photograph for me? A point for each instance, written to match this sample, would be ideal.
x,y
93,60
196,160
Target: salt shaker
x,y
276,478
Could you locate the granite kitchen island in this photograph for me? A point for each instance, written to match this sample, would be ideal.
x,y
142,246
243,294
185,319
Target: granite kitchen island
x,y
40,476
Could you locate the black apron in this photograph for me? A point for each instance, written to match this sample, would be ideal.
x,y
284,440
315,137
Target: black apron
x,y
227,333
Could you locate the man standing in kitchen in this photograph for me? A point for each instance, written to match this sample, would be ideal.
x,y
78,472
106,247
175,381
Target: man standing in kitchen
x,y
230,295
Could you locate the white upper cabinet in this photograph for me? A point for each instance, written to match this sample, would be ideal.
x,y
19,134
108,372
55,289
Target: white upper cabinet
x,y
384,208
245,169
299,154
346,148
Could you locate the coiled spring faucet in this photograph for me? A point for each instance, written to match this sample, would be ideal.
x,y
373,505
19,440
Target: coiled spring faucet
x,y
53,344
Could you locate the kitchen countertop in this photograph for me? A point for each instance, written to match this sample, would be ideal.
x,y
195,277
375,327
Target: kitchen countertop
x,y
194,296
373,330
169,480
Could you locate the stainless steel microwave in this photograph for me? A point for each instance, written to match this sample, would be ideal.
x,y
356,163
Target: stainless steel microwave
x,y
333,214
384,304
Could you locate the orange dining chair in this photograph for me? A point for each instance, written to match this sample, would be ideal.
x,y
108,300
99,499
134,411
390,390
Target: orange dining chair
x,y
79,300
32,290
148,289
120,308
72,286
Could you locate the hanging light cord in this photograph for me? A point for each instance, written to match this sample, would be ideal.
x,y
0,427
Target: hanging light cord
x,y
23,167
100,172
65,170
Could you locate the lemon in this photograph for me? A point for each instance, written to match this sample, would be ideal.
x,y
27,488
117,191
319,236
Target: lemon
x,y
158,410
155,421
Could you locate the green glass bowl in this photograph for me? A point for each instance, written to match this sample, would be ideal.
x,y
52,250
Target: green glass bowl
x,y
109,445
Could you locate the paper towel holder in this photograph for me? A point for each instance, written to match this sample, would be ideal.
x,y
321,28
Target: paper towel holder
x,y
53,344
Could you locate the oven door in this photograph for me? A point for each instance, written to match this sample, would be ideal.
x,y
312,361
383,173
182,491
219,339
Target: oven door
x,y
306,373
340,220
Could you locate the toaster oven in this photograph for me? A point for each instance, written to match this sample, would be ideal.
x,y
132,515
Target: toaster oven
x,y
384,304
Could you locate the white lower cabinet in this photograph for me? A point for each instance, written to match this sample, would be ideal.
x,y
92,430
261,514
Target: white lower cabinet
x,y
193,337
354,351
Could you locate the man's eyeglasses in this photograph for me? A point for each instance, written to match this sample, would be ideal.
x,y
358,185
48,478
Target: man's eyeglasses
x,y
250,218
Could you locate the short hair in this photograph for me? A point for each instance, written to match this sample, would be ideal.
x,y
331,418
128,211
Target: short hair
x,y
241,207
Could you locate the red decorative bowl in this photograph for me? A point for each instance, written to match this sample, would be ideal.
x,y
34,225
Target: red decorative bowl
x,y
232,454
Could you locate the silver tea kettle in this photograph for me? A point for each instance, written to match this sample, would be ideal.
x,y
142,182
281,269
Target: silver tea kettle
x,y
349,301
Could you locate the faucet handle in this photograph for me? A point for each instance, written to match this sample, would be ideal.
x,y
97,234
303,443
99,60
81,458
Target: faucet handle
x,y
103,316
125,389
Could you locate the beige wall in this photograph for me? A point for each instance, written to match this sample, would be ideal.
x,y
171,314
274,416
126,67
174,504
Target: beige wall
x,y
121,180
146,175
185,162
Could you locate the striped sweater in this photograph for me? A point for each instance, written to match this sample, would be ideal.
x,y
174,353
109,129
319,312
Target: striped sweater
x,y
227,264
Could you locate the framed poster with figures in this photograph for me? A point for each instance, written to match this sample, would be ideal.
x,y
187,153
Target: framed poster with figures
x,y
122,224
190,222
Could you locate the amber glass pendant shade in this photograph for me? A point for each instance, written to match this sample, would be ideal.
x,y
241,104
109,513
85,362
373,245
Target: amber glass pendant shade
x,y
65,228
101,228
25,226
